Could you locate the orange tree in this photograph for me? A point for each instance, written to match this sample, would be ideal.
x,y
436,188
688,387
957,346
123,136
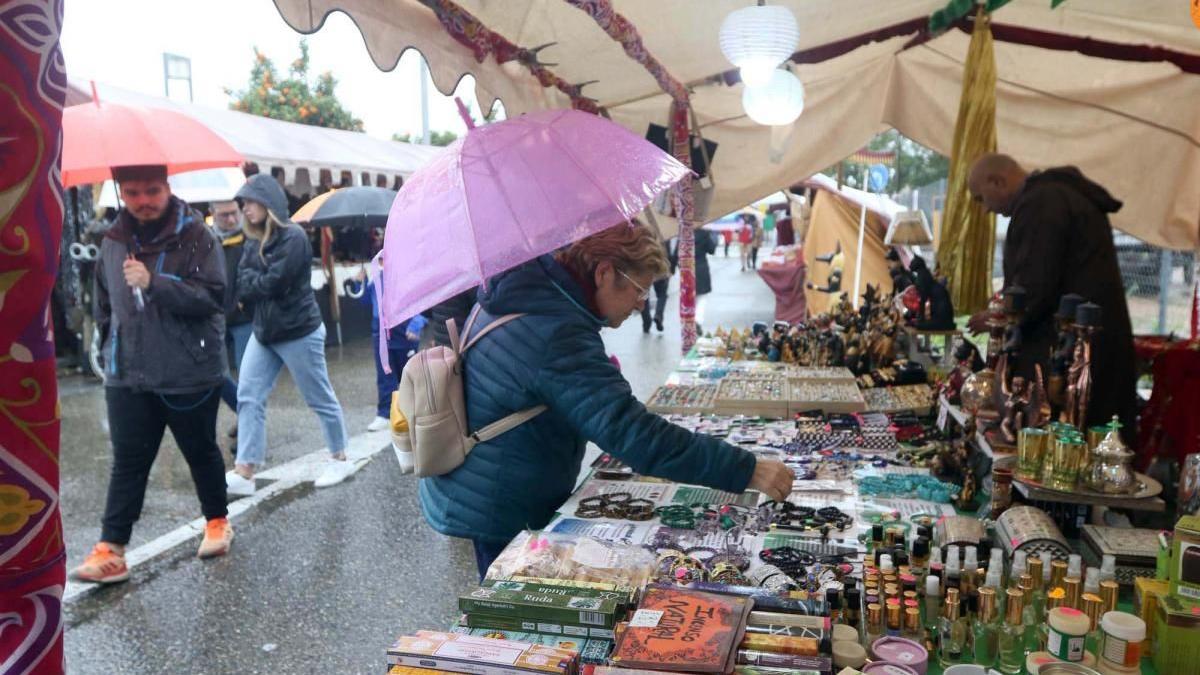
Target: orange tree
x,y
293,99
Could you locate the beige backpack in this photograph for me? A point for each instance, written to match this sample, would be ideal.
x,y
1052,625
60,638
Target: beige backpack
x,y
430,398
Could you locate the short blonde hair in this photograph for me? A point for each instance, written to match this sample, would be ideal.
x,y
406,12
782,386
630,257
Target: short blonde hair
x,y
632,248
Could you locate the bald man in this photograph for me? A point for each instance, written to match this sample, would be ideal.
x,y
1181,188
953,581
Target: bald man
x,y
1060,241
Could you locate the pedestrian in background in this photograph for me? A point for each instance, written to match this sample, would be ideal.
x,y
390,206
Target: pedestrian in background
x,y
756,241
727,237
275,276
661,286
227,225
402,342
160,286
746,239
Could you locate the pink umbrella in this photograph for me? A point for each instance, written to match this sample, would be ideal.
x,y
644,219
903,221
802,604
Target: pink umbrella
x,y
509,192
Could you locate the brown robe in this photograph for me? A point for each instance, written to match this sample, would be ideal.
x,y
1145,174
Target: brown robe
x,y
1059,242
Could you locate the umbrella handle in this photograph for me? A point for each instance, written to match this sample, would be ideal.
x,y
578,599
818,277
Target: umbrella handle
x,y
464,113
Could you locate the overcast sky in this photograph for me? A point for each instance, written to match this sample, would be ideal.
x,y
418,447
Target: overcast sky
x,y
121,43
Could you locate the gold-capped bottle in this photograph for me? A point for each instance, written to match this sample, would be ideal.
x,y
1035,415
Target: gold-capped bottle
x,y
952,632
1012,634
986,631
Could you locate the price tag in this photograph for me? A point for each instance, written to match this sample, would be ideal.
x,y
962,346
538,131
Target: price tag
x,y
943,418
646,618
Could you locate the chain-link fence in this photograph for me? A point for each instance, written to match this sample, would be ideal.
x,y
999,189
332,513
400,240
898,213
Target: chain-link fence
x,y
1158,285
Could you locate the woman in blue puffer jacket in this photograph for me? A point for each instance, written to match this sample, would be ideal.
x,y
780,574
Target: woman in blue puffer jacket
x,y
554,356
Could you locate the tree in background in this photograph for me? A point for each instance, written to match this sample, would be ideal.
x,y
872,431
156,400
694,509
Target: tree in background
x,y
916,165
444,138
438,138
293,99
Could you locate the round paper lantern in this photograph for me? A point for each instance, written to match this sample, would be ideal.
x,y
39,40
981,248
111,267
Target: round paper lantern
x,y
779,102
757,39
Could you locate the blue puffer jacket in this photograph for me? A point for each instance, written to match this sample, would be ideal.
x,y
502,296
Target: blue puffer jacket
x,y
554,356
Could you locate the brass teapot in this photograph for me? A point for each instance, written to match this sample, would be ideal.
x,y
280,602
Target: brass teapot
x,y
1111,469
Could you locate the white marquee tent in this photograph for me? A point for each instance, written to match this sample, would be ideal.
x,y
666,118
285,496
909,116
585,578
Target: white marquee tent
x,y
1112,86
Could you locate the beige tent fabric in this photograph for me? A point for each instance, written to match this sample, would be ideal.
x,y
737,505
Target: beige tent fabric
x,y
1134,127
835,219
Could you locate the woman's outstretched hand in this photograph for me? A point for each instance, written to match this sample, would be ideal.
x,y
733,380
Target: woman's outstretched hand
x,y
772,478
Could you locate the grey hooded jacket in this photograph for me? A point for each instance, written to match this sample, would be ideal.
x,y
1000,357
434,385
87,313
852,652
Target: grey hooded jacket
x,y
276,270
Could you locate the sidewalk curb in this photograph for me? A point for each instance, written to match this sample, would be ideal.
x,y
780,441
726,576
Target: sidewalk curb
x,y
285,478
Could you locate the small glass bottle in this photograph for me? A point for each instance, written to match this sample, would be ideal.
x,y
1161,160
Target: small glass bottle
x,y
952,632
1012,635
1093,606
833,602
912,625
874,629
920,557
1029,615
895,614
933,603
853,607
986,631
1036,571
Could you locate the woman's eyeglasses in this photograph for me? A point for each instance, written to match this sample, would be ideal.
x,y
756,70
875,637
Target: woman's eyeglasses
x,y
643,292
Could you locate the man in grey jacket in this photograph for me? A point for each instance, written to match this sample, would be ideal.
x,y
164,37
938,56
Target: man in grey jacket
x,y
160,283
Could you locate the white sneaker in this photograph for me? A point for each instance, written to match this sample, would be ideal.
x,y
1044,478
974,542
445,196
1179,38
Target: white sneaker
x,y
379,424
338,470
238,485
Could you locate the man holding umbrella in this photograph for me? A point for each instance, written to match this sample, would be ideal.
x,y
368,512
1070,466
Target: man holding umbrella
x,y
160,283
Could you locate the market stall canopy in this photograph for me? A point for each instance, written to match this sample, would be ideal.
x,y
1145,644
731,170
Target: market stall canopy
x,y
270,142
1129,106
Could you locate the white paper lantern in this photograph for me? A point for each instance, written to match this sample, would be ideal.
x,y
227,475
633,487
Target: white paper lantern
x,y
778,102
757,39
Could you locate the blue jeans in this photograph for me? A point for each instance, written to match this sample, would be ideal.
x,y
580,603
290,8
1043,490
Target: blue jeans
x,y
236,338
305,359
386,383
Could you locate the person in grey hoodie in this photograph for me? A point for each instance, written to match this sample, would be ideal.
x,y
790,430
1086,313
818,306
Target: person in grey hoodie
x,y
274,277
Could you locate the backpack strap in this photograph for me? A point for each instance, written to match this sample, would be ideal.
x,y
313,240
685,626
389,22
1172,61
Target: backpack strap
x,y
452,330
507,423
498,322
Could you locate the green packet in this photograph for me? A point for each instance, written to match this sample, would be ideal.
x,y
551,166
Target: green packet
x,y
551,604
590,650
516,623
563,587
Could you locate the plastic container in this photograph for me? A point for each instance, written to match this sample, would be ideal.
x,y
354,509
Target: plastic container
x,y
1036,660
887,668
848,655
1121,640
1068,634
844,633
902,651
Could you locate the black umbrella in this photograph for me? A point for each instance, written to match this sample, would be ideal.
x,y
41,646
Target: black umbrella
x,y
363,206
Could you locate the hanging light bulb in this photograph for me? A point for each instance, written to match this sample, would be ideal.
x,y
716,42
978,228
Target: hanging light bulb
x,y
757,39
778,102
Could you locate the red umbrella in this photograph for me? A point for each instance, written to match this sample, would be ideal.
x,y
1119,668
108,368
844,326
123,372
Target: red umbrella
x,y
98,136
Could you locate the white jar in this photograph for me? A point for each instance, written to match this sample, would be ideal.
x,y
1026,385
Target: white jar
x,y
1121,643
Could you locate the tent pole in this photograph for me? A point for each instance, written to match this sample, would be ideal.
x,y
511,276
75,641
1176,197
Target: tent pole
x,y
862,228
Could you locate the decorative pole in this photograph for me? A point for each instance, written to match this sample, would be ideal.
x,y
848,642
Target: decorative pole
x,y
686,251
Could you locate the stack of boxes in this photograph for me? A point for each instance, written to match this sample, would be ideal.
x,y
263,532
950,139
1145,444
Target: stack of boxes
x,y
1175,629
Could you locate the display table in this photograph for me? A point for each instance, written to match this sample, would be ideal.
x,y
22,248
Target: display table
x,y
786,281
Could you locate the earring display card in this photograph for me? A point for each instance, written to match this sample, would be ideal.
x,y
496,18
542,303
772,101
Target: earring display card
x,y
683,399
832,397
754,396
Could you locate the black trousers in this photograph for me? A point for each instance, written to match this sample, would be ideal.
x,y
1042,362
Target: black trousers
x,y
136,422
660,303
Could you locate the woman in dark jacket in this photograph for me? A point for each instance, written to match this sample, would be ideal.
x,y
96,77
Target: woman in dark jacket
x,y
274,276
554,356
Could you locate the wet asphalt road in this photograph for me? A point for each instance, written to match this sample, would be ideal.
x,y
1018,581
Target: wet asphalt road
x,y
319,581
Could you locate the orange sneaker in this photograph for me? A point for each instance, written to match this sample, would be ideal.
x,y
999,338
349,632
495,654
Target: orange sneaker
x,y
102,566
218,534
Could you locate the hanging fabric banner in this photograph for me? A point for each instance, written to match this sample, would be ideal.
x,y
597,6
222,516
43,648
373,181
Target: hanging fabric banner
x,y
968,236
33,87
